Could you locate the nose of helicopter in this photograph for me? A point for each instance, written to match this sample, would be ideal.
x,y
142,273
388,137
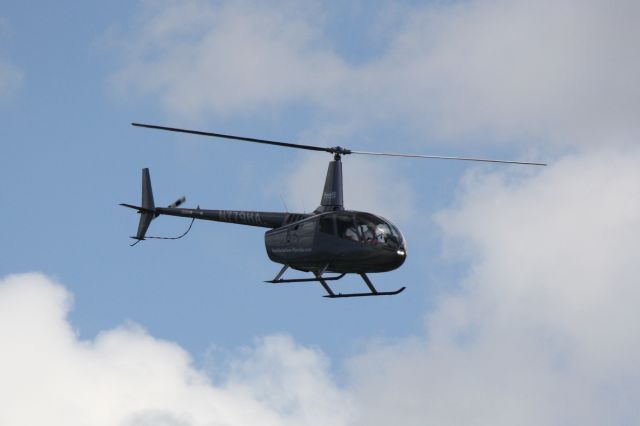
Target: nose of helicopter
x,y
401,255
396,258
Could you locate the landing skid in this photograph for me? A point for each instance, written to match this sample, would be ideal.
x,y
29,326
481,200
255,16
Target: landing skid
x,y
330,294
377,293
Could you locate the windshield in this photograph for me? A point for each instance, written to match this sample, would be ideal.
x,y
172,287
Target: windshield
x,y
368,229
375,230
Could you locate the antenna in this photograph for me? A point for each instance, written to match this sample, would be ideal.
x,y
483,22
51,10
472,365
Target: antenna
x,y
286,209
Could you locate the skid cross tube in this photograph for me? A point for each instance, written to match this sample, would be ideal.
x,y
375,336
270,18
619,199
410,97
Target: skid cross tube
x,y
280,274
324,284
368,283
304,280
278,279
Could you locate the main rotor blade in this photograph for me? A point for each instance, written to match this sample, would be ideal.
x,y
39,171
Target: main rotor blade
x,y
440,157
238,138
333,150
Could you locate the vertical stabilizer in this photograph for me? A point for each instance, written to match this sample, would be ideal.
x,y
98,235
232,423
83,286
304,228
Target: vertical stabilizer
x,y
147,192
332,193
147,213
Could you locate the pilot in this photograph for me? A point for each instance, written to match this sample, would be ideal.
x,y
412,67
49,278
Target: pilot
x,y
369,233
381,234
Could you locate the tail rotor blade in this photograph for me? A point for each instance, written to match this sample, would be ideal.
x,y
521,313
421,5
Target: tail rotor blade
x,y
177,202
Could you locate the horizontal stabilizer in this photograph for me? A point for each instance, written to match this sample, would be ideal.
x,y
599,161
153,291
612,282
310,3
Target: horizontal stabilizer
x,y
139,208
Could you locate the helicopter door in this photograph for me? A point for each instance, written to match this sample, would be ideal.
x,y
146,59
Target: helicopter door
x,y
292,235
326,225
301,234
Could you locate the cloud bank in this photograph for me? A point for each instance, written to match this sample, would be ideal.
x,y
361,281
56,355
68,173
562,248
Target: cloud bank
x,y
126,377
544,328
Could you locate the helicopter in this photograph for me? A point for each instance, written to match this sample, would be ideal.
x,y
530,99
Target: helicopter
x,y
331,239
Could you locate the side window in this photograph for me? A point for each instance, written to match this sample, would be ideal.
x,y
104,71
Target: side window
x,y
346,228
306,232
326,225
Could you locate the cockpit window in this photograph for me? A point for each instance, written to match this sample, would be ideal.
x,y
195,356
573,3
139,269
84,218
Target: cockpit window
x,y
363,228
395,231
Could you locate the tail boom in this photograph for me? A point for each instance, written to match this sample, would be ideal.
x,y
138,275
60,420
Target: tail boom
x,y
250,218
148,211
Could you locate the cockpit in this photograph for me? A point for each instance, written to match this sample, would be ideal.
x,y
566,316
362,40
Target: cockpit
x,y
364,228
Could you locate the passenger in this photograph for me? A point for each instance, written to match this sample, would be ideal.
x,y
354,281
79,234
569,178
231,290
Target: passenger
x,y
351,234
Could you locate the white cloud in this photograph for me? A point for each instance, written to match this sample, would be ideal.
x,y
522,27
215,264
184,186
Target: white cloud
x,y
229,57
545,327
565,72
10,79
10,76
126,377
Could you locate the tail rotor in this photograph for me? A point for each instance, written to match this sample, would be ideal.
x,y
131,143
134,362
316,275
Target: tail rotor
x,y
148,210
177,202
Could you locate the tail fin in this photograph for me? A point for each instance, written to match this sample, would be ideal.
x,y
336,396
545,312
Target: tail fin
x,y
148,209
148,214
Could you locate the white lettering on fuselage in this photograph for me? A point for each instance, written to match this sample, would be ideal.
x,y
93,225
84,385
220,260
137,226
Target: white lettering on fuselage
x,y
240,217
292,250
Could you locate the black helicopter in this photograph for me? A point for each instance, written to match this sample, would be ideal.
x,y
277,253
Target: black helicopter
x,y
331,239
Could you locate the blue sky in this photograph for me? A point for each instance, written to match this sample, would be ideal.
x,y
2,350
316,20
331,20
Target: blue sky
x,y
512,272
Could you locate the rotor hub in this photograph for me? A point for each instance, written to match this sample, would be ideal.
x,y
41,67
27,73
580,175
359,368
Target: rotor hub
x,y
338,150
